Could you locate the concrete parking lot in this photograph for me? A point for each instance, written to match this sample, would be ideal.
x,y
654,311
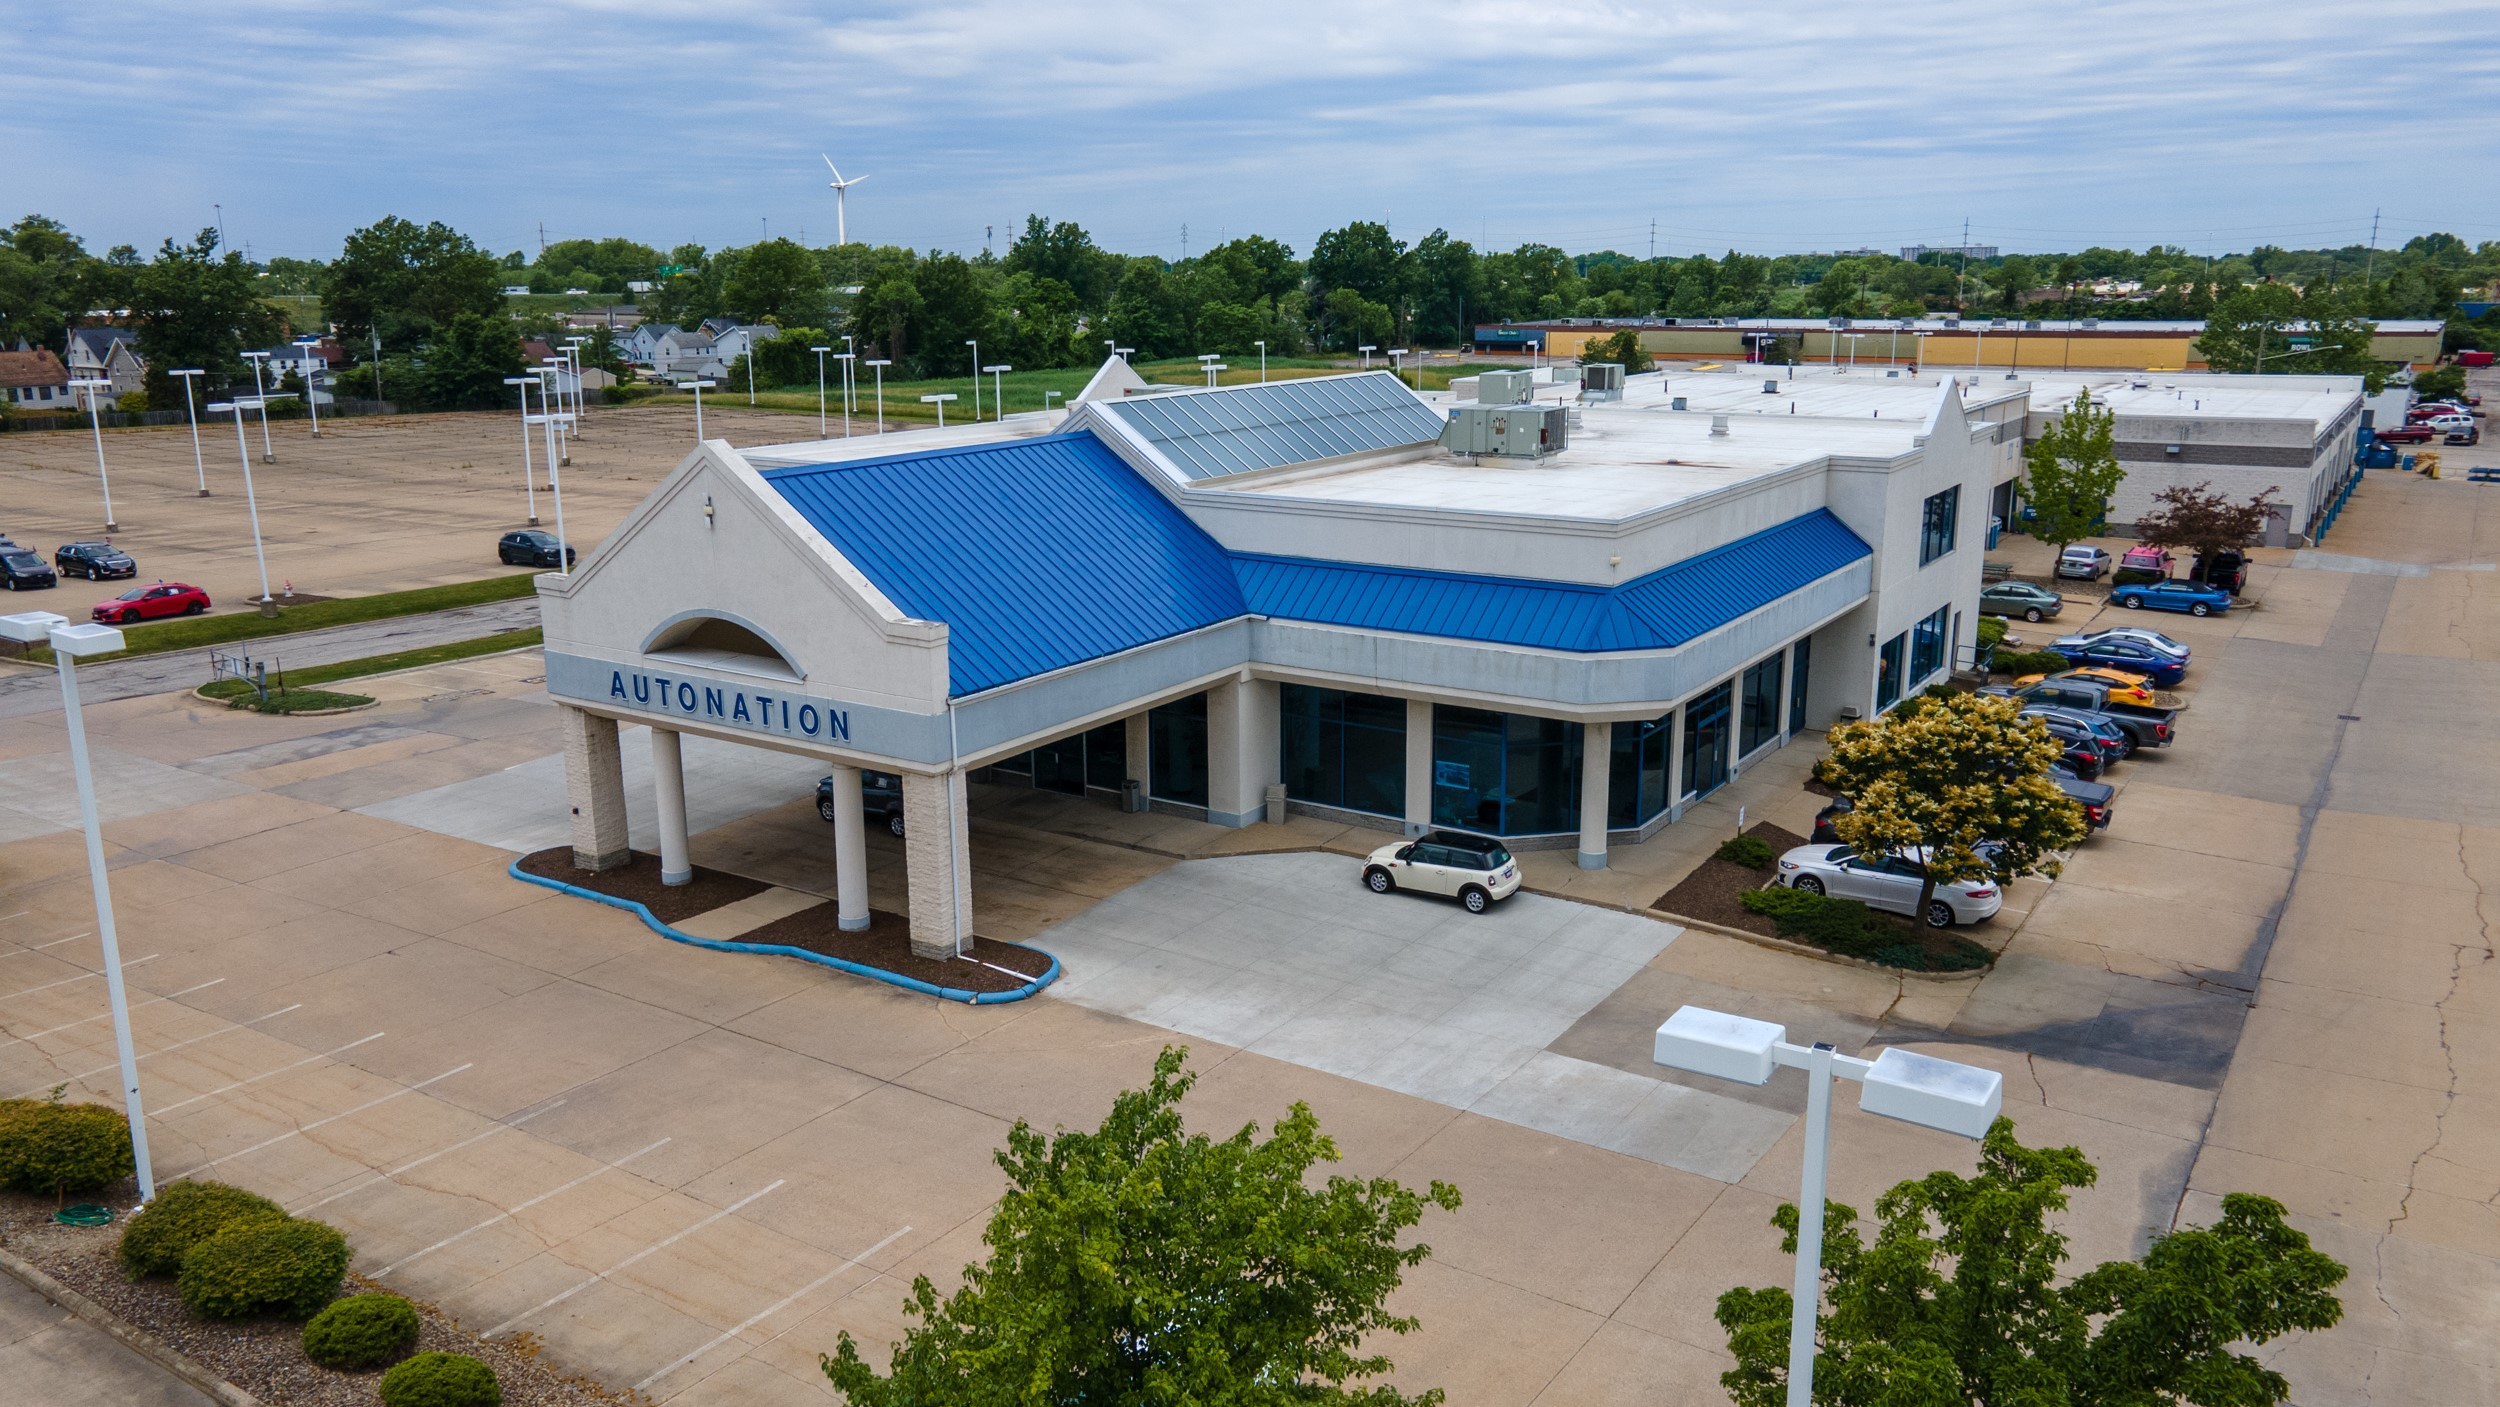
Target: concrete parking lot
x,y
687,1171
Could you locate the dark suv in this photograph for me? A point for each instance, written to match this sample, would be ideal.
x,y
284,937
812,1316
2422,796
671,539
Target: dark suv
x,y
94,560
532,548
23,570
880,794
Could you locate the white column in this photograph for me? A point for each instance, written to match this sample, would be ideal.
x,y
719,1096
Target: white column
x,y
1418,766
1675,762
850,851
938,863
1140,751
1597,765
668,779
594,785
1241,750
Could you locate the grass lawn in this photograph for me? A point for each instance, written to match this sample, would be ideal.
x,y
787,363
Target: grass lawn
x,y
301,680
198,632
298,701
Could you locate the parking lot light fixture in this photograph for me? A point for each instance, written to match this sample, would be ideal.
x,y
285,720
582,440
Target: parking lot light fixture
x,y
850,379
976,379
191,408
95,387
998,398
1262,363
310,403
529,471
581,404
820,389
73,642
260,393
1367,349
243,453
1397,361
1919,1089
699,387
880,364
939,400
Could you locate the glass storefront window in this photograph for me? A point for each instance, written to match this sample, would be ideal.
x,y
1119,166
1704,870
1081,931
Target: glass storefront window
x,y
1106,756
1706,740
1177,733
1341,749
1636,788
1888,674
1504,774
1060,766
1760,718
1797,686
1927,645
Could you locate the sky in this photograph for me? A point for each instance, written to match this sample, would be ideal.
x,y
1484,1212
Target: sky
x,y
1810,125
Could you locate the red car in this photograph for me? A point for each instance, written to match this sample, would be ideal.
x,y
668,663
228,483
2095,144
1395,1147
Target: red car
x,y
166,598
2406,434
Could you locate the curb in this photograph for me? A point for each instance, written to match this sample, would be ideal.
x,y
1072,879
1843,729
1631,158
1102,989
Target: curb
x,y
857,969
1783,945
138,1340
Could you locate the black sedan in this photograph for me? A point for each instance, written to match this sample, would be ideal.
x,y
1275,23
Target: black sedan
x,y
24,571
880,795
532,548
95,561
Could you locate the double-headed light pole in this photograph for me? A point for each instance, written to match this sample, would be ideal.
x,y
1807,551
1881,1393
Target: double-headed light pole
x,y
95,387
880,364
72,642
243,452
1898,1084
191,407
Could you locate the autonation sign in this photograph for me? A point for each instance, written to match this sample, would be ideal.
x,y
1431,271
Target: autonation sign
x,y
782,712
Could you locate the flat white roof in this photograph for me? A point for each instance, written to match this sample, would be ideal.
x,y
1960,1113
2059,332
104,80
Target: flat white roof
x,y
2311,400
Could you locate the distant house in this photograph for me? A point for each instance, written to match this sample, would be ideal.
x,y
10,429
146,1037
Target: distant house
x,y
111,353
313,364
714,327
679,353
31,377
638,344
737,340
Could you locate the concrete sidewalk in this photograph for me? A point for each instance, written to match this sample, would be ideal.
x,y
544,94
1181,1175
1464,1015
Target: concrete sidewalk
x,y
52,1357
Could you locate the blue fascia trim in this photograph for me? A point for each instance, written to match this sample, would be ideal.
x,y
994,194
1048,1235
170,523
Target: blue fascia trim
x,y
722,945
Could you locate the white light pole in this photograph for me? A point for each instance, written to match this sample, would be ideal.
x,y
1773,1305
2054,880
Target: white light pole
x,y
998,398
850,380
191,408
750,356
820,391
1122,352
70,642
1262,363
260,393
559,422
1206,363
1918,1089
1367,349
243,452
699,387
880,365
1396,355
581,404
1047,398
976,379
939,400
95,387
311,403
1212,369
529,471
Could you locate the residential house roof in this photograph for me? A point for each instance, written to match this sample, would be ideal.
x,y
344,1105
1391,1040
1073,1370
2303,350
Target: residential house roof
x,y
32,368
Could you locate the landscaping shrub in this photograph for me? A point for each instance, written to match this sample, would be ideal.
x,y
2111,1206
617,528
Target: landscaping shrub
x,y
48,1146
2022,662
183,1215
1991,631
1850,929
1751,851
291,1267
361,1331
441,1380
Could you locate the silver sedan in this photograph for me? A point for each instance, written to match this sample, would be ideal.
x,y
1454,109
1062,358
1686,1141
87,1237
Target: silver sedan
x,y
1889,882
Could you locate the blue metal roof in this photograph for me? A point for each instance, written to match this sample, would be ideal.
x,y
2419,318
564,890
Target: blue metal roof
x,y
1043,553
1664,609
1235,429
1036,553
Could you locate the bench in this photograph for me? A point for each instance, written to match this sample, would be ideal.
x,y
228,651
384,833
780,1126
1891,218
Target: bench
x,y
2483,474
1995,571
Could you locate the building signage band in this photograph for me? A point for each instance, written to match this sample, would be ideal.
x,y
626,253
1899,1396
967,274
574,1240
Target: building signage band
x,y
770,712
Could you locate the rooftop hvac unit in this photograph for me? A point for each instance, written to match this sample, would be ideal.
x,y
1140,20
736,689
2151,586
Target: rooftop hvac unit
x,y
1518,432
1504,387
1601,381
2091,323
1678,404
1771,387
1836,322
2031,325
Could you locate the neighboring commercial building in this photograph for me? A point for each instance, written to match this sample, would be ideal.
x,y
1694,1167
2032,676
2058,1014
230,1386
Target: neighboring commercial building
x,y
2035,344
1225,601
1912,253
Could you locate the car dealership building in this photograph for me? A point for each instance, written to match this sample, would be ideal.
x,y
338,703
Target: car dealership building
x,y
1290,597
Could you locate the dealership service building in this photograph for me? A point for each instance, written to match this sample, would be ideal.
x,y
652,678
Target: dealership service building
x,y
1221,602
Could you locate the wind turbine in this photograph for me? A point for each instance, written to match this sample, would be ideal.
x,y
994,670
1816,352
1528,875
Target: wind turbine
x,y
841,201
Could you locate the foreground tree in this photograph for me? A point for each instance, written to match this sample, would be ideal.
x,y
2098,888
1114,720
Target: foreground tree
x,y
1957,1300
2203,521
1139,1264
408,281
199,307
2071,472
1946,773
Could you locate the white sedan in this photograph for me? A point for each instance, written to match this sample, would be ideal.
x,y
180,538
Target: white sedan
x,y
1889,882
1476,870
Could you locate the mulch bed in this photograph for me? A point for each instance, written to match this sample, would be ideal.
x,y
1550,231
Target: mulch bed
x,y
886,944
1709,893
265,1357
640,882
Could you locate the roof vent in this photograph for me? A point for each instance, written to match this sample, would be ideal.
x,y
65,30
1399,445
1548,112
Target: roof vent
x,y
1678,404
1718,425
1771,387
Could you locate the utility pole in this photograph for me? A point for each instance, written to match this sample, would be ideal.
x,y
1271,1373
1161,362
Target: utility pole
x,y
1184,241
542,239
1963,272
1653,239
2371,267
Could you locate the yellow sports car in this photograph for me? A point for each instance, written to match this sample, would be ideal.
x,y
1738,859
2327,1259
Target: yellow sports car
x,y
2123,687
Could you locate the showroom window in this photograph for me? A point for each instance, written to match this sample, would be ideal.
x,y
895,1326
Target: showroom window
x,y
1759,707
1936,524
1706,740
1177,732
1797,686
1504,773
1888,673
1636,788
1347,750
1927,645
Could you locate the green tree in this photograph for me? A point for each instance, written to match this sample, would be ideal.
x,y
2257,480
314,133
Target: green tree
x,y
886,314
201,308
1145,314
1624,347
1361,257
1945,775
1066,253
954,309
466,363
2272,327
777,281
43,273
409,281
1957,1300
2071,471
1139,1263
1353,320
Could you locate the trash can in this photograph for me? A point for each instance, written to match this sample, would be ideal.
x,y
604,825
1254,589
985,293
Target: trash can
x,y
1275,803
1132,796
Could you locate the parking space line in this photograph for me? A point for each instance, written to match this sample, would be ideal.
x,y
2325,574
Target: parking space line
x,y
515,1211
82,933
256,1079
332,1119
769,1311
430,1157
195,1040
81,977
651,1250
102,1015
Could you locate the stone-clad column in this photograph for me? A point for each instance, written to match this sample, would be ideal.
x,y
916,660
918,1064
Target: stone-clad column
x,y
594,785
938,862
